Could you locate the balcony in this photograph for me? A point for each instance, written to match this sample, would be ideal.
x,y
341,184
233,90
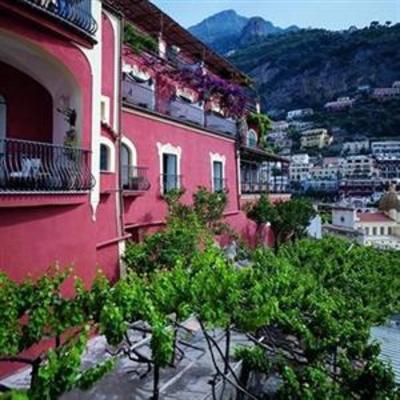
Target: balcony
x,y
186,111
221,124
139,94
170,182
258,186
76,13
35,167
254,186
134,179
143,95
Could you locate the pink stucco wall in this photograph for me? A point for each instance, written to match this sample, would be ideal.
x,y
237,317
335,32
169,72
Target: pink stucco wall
x,y
108,62
35,238
147,212
40,233
195,164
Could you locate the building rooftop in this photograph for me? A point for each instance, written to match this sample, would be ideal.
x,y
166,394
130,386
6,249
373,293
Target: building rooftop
x,y
373,217
388,337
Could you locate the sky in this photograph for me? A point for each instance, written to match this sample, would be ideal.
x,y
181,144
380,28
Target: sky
x,y
330,14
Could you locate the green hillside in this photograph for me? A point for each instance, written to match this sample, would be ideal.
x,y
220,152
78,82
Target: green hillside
x,y
311,67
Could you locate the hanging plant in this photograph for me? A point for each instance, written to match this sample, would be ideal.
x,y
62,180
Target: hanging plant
x,y
261,123
138,41
231,98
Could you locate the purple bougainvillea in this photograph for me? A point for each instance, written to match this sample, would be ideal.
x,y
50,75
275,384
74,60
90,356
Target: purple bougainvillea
x,y
209,87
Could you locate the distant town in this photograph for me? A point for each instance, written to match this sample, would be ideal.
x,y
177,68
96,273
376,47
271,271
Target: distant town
x,y
353,182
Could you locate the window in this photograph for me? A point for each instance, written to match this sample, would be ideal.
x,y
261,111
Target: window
x,y
107,155
382,230
218,176
367,231
374,231
170,172
170,167
251,138
126,165
104,158
390,230
105,109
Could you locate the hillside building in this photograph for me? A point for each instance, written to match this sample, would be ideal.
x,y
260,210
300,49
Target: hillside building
x,y
389,148
374,228
341,104
299,113
356,146
315,138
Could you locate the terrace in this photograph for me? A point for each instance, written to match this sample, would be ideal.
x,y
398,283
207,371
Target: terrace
x,y
144,96
169,72
262,173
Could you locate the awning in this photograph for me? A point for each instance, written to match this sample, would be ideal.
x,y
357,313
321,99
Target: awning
x,y
257,154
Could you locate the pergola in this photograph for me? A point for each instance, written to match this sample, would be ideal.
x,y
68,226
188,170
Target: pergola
x,y
149,18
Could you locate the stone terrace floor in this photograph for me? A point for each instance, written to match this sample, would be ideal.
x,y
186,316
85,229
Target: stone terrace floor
x,y
190,379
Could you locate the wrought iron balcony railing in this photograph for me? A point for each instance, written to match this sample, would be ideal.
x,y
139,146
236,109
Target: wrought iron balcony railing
x,y
254,186
27,166
258,186
77,13
170,182
135,179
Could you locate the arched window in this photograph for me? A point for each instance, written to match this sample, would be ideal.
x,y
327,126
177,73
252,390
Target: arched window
x,y
105,164
3,117
126,164
251,138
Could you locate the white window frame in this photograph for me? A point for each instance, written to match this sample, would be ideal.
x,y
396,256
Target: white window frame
x,y
111,148
216,157
251,132
129,144
168,148
105,110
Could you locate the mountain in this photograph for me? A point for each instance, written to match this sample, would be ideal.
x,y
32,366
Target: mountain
x,y
257,28
227,30
309,67
219,26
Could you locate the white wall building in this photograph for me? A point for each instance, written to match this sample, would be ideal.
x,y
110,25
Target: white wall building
x,y
390,148
279,125
299,168
356,146
299,113
375,228
359,165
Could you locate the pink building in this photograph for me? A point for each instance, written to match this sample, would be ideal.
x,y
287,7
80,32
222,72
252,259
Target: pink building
x,y
93,133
